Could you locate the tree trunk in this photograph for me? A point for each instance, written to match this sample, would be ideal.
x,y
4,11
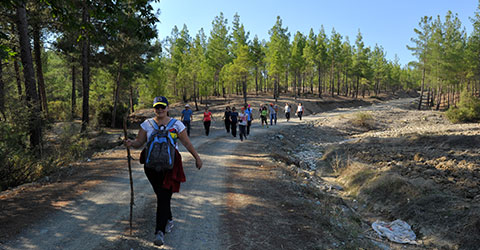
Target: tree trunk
x,y
117,91
275,87
74,91
286,82
421,89
439,99
132,109
332,79
245,89
2,93
346,83
18,78
298,88
449,90
17,70
256,80
35,129
195,91
311,83
428,98
302,79
184,94
319,69
358,87
85,70
38,62
295,86
338,83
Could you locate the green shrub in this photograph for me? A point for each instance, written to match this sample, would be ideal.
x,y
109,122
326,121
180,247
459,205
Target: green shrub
x,y
71,145
468,109
18,162
103,115
59,110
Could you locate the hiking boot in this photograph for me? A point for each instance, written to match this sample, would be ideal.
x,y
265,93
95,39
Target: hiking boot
x,y
169,226
159,239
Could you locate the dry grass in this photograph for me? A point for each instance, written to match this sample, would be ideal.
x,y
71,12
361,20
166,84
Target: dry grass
x,y
363,120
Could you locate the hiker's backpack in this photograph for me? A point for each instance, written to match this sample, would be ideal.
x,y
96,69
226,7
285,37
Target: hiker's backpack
x,y
160,147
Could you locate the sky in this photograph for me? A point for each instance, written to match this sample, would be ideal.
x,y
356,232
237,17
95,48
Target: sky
x,y
388,23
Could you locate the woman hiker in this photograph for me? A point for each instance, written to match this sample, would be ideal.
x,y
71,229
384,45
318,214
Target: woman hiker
x,y
300,111
288,109
207,120
242,124
165,182
263,115
233,121
226,116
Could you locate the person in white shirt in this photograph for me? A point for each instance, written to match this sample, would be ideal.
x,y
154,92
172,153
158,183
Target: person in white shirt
x,y
242,124
288,109
299,111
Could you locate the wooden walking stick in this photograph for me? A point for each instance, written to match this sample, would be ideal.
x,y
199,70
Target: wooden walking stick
x,y
129,172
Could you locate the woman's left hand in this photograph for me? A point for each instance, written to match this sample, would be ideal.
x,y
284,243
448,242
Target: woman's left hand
x,y
198,163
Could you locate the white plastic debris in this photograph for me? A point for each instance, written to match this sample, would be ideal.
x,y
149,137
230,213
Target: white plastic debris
x,y
397,231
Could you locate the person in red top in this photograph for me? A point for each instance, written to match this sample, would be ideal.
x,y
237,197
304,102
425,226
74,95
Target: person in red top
x,y
207,120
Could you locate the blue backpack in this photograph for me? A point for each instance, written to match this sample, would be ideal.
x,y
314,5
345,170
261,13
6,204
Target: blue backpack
x,y
160,147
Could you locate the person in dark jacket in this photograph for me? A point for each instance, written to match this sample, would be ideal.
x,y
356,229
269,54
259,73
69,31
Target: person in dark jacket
x,y
233,121
226,116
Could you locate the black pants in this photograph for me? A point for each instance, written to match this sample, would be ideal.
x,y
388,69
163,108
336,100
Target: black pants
x,y
300,114
264,120
249,123
164,211
206,124
287,115
234,128
187,125
227,125
242,132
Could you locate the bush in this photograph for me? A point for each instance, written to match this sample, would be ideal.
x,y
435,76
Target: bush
x,y
59,110
71,145
468,109
21,165
364,120
18,162
103,115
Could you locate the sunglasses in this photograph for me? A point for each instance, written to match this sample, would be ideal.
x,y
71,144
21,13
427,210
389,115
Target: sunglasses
x,y
160,106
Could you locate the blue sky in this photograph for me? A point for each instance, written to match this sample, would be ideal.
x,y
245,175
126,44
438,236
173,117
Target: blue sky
x,y
388,23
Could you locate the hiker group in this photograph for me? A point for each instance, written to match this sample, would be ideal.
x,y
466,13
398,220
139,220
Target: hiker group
x,y
243,118
162,161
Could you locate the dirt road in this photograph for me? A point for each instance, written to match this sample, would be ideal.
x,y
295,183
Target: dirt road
x,y
97,218
239,200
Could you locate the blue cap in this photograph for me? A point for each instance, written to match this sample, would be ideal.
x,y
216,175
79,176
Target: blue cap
x,y
160,100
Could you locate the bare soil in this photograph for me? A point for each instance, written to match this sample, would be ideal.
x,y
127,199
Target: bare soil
x,y
318,183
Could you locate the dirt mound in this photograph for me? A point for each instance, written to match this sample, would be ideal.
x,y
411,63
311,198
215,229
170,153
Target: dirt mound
x,y
410,165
